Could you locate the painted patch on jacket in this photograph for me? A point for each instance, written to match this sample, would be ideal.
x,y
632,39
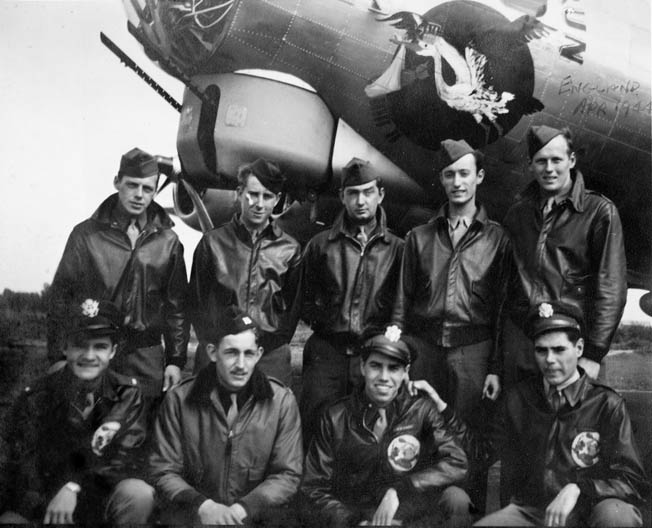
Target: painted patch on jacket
x,y
103,436
402,452
586,448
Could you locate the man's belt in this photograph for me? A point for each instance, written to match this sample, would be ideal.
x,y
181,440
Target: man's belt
x,y
453,336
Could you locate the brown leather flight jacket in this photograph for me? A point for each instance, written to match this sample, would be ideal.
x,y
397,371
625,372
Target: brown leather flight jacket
x,y
576,255
454,296
47,442
257,463
148,283
349,470
589,442
348,290
261,278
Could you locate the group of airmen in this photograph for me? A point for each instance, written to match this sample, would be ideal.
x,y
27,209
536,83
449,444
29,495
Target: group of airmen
x,y
430,358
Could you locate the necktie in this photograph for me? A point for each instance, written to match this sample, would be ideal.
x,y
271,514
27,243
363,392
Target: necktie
x,y
84,403
381,424
232,415
456,232
362,237
133,232
547,208
556,399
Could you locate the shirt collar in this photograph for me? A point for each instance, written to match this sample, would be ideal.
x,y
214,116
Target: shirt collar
x,y
339,227
225,395
479,216
123,220
455,221
570,387
353,229
271,230
575,197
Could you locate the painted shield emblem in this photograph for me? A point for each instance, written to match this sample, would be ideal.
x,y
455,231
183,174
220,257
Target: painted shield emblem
x,y
402,452
586,449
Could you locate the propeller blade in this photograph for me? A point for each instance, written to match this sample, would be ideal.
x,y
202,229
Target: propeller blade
x,y
202,214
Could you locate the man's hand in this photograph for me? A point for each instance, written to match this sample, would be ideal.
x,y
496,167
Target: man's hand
x,y
171,377
61,507
239,512
559,509
384,514
422,385
211,512
491,387
592,368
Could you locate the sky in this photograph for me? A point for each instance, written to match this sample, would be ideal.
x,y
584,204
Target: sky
x,y
69,110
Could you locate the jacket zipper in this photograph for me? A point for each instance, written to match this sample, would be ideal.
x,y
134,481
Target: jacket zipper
x,y
252,260
360,264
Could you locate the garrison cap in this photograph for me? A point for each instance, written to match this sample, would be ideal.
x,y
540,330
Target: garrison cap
x,y
395,349
357,172
267,172
95,318
452,150
231,321
539,136
138,164
551,316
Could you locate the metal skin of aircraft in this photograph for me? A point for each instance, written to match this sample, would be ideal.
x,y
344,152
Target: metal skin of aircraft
x,y
312,83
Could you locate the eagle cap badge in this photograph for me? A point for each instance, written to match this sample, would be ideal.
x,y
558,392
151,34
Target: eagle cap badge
x,y
545,310
90,308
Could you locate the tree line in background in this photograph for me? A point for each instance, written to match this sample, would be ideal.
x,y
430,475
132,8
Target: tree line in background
x,y
24,301
22,316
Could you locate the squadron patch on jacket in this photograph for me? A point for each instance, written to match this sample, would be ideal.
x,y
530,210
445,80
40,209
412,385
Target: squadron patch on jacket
x,y
103,436
585,448
402,452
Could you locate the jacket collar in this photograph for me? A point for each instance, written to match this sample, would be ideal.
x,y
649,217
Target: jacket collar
x,y
272,230
339,226
574,393
362,403
205,384
575,197
442,215
156,215
65,385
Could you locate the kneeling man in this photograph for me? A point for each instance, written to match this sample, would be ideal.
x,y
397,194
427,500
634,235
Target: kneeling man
x,y
381,456
565,441
227,443
70,445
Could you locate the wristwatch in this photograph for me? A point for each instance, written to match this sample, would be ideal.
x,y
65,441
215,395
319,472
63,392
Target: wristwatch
x,y
73,486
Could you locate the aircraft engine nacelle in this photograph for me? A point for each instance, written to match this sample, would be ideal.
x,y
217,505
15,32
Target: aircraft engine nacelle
x,y
253,116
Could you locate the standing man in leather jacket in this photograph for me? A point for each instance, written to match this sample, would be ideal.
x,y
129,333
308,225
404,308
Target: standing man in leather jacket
x,y
381,456
568,246
565,442
451,294
349,282
127,253
227,443
69,450
250,263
